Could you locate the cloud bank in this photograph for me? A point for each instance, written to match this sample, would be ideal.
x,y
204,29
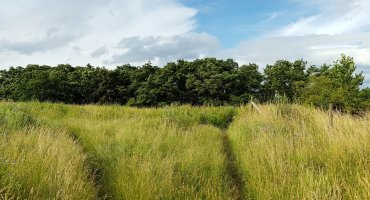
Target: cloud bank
x,y
337,26
115,32
100,32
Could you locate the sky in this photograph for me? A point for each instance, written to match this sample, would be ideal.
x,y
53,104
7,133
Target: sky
x,y
115,32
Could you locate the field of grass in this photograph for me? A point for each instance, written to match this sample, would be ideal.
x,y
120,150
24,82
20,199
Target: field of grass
x,y
86,152
56,151
292,152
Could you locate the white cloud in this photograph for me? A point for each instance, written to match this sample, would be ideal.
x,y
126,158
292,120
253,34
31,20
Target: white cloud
x,y
273,16
119,31
36,21
50,31
164,48
335,17
317,49
99,52
338,26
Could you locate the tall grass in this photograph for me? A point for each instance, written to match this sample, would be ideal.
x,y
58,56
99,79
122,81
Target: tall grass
x,y
166,153
291,152
39,163
145,154
56,151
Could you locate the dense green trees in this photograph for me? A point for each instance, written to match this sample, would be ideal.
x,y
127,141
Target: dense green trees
x,y
337,85
286,78
206,81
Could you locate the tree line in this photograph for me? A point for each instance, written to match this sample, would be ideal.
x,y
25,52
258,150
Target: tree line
x,y
207,81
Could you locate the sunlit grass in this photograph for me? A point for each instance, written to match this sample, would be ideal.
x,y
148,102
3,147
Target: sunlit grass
x,y
292,152
145,154
130,153
57,151
42,164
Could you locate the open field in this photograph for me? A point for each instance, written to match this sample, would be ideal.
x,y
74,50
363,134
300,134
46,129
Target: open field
x,y
56,151
112,152
292,152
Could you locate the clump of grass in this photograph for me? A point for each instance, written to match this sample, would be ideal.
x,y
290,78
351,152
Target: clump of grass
x,y
14,117
41,164
294,154
168,163
187,115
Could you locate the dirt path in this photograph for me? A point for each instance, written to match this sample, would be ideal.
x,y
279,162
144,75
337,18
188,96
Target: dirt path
x,y
234,176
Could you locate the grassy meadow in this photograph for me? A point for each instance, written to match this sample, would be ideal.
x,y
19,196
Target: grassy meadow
x,y
293,152
111,152
57,151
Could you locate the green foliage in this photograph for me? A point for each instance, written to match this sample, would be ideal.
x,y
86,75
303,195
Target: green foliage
x,y
201,82
365,95
207,81
337,85
286,78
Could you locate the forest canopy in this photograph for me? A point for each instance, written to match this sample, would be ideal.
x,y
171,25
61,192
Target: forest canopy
x,y
207,81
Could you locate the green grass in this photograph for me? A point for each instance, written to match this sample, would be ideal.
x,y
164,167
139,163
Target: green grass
x,y
291,152
167,153
57,151
37,162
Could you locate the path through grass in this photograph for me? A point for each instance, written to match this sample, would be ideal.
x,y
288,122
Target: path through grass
x,y
56,151
168,153
235,178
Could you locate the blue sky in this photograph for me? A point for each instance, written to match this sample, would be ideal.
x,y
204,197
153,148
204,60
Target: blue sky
x,y
234,21
114,32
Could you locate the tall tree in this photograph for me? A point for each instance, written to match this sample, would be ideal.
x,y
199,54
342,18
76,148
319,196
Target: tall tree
x,y
285,78
337,85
